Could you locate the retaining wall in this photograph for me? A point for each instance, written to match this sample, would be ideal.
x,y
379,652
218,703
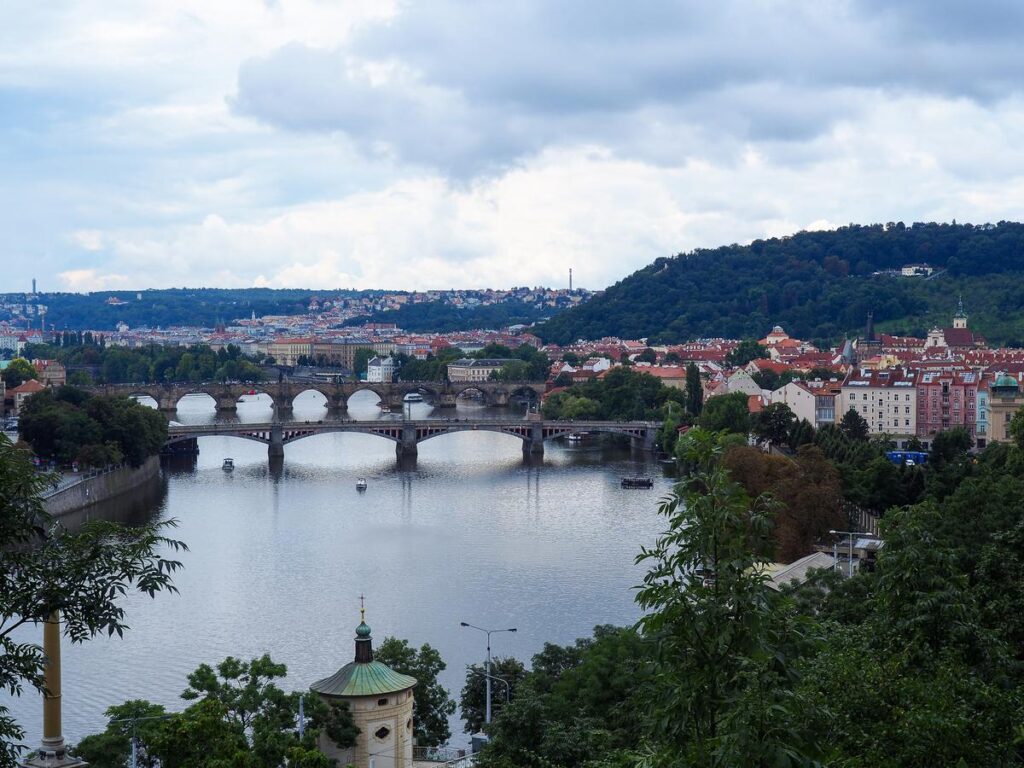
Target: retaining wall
x,y
101,488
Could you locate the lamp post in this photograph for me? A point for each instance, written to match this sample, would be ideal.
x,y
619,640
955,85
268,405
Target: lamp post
x,y
835,548
487,671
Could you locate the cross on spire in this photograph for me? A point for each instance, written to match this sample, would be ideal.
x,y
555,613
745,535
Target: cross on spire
x,y
362,609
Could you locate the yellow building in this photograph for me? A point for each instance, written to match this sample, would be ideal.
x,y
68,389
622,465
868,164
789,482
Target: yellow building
x,y
380,701
1004,400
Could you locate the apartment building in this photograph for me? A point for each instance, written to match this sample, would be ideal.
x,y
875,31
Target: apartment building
x,y
947,399
887,400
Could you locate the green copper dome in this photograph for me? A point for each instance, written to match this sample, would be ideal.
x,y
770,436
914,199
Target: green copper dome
x,y
1007,381
363,679
363,630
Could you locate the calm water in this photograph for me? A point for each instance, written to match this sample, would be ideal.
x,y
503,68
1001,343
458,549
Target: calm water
x,y
278,559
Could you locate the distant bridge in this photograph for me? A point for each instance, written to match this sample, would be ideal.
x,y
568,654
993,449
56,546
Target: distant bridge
x,y
408,434
283,394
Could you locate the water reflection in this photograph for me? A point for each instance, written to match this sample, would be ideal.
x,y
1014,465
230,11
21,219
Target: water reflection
x,y
280,552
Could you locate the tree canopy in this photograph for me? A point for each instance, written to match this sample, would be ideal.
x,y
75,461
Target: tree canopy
x,y
818,285
82,575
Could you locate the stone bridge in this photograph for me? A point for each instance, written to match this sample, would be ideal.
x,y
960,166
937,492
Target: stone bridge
x,y
407,435
283,394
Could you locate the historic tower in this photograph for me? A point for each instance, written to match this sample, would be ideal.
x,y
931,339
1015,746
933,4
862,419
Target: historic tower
x,y
960,319
380,700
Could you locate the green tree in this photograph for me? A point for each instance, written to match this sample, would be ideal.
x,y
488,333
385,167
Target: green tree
x,y
83,576
1017,428
726,412
725,668
361,359
694,390
854,426
744,352
432,706
774,423
473,699
648,355
17,372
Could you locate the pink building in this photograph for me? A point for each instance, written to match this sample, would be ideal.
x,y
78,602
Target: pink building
x,y
947,399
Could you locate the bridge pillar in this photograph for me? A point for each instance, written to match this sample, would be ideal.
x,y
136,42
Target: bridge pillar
x,y
283,405
534,444
647,442
497,398
447,400
337,403
276,448
226,402
395,401
407,445
167,402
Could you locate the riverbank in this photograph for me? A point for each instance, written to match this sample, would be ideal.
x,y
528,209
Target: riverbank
x,y
101,488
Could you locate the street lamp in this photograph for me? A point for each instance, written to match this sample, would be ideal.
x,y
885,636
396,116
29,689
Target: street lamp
x,y
835,549
487,671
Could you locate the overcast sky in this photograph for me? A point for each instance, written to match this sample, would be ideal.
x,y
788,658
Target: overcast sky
x,y
337,143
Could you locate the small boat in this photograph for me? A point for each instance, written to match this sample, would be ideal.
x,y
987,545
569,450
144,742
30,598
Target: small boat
x,y
413,397
385,408
637,482
228,465
575,438
361,484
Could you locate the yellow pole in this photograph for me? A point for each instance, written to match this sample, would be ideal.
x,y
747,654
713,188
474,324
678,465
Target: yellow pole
x,y
52,752
52,733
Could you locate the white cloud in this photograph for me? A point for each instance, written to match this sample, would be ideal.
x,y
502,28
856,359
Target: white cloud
x,y
85,280
414,144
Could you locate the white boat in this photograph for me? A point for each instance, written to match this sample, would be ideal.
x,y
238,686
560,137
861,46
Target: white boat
x,y
228,465
361,484
413,397
574,438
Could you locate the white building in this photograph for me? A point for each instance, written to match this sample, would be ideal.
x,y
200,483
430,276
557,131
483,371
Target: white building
x,y
801,401
380,369
887,400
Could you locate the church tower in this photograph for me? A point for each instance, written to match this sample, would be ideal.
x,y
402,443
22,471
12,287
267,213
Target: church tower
x,y
960,319
380,701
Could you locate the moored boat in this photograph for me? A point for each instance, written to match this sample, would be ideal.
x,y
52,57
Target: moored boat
x,y
361,484
637,482
228,465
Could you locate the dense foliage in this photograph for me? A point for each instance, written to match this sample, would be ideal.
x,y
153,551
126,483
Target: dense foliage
x,y
69,425
171,306
96,362
818,285
17,372
623,393
240,718
918,661
432,706
84,576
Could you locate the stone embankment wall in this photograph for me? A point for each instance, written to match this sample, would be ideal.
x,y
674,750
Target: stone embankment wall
x,y
101,488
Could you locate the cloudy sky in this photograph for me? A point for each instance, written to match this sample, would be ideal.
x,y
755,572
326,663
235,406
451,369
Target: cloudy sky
x,y
376,144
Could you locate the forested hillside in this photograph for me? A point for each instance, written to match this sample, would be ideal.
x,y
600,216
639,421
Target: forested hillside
x,y
817,285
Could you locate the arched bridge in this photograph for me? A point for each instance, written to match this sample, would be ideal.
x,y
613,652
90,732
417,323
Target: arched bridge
x,y
283,394
408,434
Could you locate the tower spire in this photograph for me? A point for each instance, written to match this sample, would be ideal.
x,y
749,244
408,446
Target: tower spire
x,y
364,643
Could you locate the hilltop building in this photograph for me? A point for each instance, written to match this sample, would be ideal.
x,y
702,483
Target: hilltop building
x,y
380,701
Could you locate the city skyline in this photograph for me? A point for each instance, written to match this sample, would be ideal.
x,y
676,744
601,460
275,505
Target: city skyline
x,y
411,146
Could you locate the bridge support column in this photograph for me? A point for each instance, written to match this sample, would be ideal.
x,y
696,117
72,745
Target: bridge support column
x,y
337,403
534,444
406,447
283,406
497,399
167,403
226,403
446,400
395,402
647,442
276,448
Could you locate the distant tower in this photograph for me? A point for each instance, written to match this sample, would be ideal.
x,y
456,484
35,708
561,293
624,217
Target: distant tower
x,y
869,332
570,280
34,286
380,701
960,319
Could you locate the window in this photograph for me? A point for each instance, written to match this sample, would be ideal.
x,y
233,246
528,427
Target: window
x,y
382,733
382,702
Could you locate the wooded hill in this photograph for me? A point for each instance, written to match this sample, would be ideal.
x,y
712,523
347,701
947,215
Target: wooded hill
x,y
818,286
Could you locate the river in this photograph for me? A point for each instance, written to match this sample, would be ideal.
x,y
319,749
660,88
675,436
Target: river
x,y
278,560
